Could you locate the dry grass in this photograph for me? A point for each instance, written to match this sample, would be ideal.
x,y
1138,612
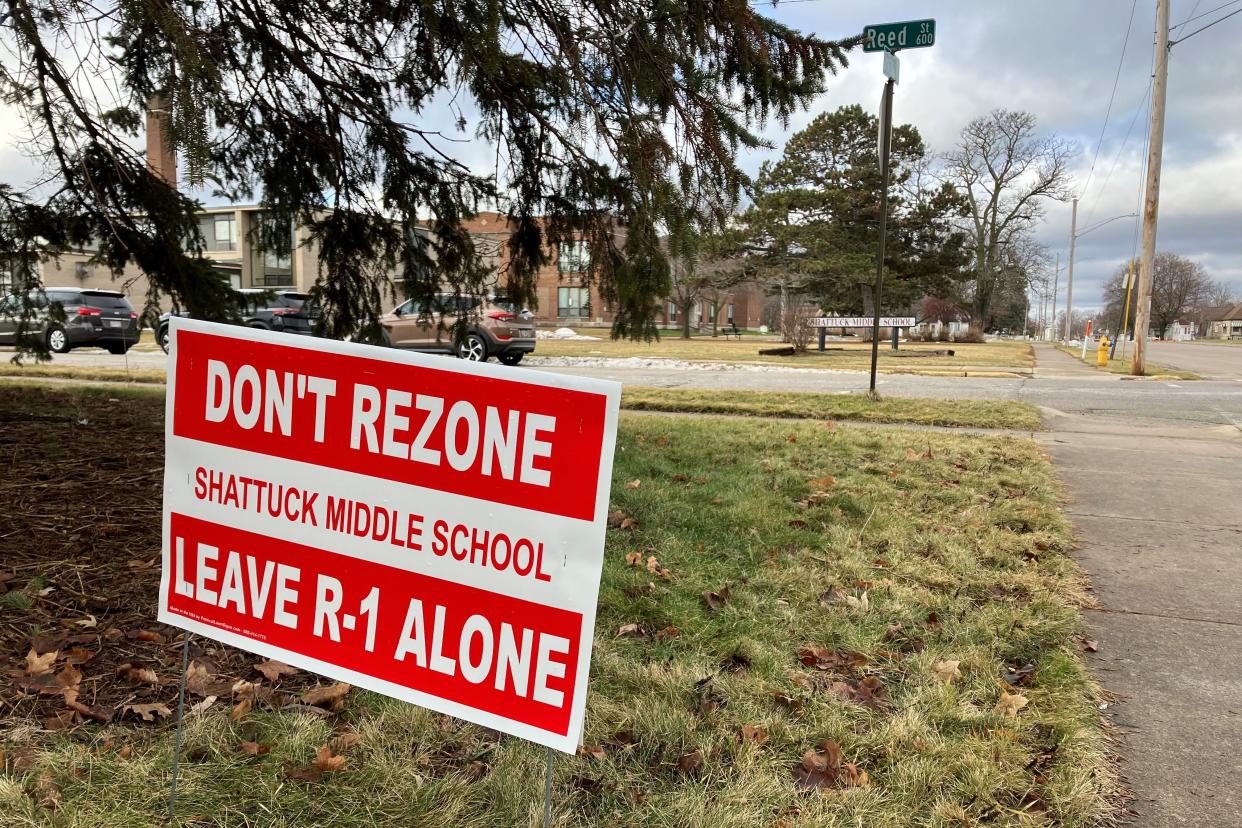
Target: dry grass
x,y
854,356
894,551
960,413
1122,366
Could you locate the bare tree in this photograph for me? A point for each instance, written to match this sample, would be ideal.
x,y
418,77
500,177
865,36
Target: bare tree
x,y
687,290
1180,288
1220,293
1005,170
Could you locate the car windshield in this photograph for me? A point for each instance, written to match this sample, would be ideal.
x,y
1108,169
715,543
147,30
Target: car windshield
x,y
106,301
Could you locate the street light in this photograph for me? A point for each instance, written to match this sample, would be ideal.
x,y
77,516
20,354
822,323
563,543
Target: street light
x,y
1074,234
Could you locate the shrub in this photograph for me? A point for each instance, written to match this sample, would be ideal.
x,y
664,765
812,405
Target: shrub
x,y
971,334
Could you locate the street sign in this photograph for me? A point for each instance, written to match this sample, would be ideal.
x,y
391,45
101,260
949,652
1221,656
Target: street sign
x,y
427,528
892,67
862,322
889,37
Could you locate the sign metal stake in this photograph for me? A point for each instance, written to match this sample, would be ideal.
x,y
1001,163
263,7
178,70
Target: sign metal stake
x,y
547,794
185,668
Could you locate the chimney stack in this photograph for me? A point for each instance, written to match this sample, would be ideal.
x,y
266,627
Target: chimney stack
x,y
161,155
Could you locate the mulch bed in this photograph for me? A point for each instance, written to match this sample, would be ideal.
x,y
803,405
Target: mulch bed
x,y
80,569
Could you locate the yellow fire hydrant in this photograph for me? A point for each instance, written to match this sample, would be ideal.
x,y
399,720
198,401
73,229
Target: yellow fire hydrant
x,y
1101,354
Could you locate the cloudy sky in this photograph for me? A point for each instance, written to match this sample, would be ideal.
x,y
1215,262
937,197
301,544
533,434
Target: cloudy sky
x,y
1057,59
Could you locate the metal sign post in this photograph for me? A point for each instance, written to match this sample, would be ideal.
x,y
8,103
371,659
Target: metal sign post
x,y
886,134
889,38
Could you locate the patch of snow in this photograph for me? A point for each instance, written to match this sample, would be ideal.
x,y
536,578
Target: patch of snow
x,y
565,333
669,364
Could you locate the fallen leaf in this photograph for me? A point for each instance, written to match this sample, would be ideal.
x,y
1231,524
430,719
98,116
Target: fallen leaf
x,y
667,633
135,672
629,523
822,658
1019,676
201,707
326,695
634,559
691,762
861,603
615,518
593,752
792,438
754,733
821,483
149,712
819,768
254,748
344,741
798,524
326,762
84,710
46,791
717,599
653,564
241,709
630,629
633,484
39,664
88,622
1009,705
793,703
200,681
946,671
79,655
147,635
273,670
126,752
1090,645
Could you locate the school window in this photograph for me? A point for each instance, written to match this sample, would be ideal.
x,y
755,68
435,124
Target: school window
x,y
573,301
573,257
711,312
672,312
729,312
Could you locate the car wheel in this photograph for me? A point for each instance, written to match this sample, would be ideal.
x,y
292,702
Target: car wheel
x,y
118,348
162,338
511,359
57,340
473,348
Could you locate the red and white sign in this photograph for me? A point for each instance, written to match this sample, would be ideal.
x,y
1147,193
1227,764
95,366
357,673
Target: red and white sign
x,y
427,528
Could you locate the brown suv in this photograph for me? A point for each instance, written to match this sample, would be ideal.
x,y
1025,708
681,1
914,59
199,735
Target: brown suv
x,y
492,329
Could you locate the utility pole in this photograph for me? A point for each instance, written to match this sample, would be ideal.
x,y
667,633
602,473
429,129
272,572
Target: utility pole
x,y
1056,286
1069,278
1151,197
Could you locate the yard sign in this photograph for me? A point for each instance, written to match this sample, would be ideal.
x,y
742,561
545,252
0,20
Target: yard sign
x,y
427,528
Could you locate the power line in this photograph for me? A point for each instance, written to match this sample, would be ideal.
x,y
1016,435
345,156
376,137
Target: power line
x,y
1121,149
1173,43
1205,14
1112,95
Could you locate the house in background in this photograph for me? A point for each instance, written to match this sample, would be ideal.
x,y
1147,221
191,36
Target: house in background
x,y
564,299
1221,322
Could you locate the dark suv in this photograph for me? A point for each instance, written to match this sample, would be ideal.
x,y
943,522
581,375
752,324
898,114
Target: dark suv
x,y
283,310
67,318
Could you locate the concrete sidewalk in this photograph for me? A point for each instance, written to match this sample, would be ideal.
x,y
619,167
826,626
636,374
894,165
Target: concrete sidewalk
x,y
1158,512
1051,362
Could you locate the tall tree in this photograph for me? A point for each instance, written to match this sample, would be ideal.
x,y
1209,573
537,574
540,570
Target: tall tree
x,y
602,113
1179,287
1006,170
814,223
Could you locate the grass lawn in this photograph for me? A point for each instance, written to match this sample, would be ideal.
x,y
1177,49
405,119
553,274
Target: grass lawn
x,y
841,627
963,413
1001,355
1122,366
46,370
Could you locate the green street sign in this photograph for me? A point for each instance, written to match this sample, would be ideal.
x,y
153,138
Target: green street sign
x,y
889,37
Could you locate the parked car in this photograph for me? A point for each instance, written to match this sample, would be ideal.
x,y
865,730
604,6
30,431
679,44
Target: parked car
x,y
284,310
492,329
68,318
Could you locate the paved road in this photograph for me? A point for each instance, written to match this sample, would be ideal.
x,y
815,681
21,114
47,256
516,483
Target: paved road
x,y
1061,384
1203,358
